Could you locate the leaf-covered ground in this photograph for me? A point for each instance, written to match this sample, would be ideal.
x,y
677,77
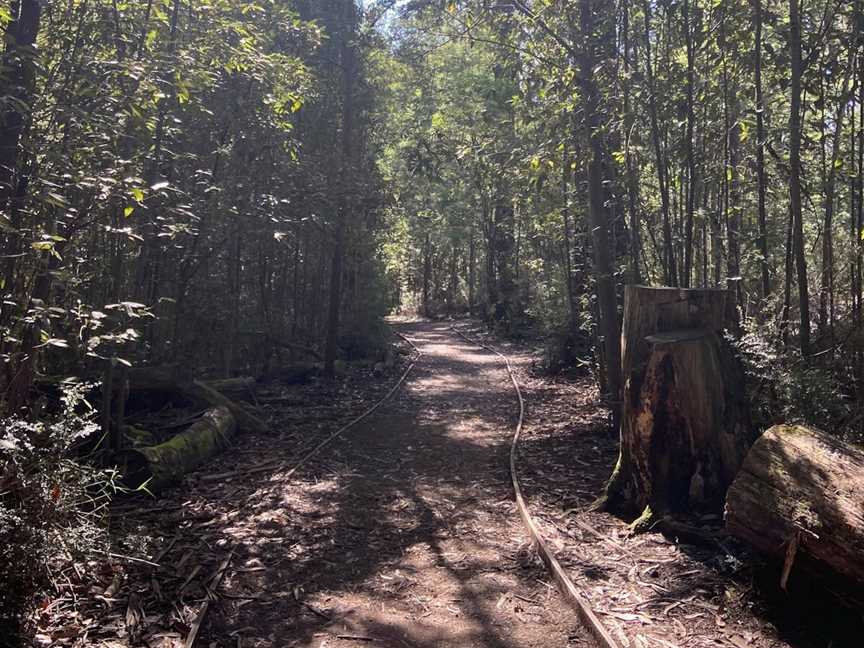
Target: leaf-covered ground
x,y
403,532
650,589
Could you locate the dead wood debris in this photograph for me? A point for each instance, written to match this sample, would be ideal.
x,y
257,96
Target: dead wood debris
x,y
158,585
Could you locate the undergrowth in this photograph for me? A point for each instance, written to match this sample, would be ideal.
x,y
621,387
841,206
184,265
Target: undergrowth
x,y
52,505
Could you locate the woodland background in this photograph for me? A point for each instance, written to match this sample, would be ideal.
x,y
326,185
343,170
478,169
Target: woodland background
x,y
222,184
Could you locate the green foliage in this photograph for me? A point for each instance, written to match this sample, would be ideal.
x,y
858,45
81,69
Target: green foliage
x,y
52,505
789,389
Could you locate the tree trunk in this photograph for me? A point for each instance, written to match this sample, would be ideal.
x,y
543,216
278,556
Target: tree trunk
x,y
604,262
669,267
158,466
762,239
686,271
472,272
684,427
16,86
795,176
798,496
348,63
632,170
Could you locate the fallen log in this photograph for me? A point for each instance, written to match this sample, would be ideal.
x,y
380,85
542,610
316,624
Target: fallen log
x,y
246,422
237,389
155,379
799,497
158,466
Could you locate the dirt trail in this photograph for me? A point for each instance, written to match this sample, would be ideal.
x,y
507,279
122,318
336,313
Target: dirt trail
x,y
409,533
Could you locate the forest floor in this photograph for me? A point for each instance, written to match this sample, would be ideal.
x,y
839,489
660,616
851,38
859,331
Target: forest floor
x,y
403,533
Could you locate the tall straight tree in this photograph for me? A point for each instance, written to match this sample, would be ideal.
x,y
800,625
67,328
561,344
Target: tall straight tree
x,y
595,23
761,180
795,175
348,64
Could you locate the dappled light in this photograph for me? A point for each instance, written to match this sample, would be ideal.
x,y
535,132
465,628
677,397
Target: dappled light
x,y
432,323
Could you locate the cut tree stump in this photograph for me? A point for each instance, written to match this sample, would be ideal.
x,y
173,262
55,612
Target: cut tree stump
x,y
163,464
685,425
799,497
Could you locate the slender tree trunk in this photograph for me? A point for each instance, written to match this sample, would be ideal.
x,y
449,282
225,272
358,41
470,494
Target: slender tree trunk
x,y
600,220
629,123
762,220
795,176
348,63
671,275
572,306
688,143
17,84
472,272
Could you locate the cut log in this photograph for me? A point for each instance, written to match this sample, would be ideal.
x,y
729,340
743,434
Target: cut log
x,y
685,428
799,497
158,466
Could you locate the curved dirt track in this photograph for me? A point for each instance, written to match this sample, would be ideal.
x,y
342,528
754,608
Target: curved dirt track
x,y
410,534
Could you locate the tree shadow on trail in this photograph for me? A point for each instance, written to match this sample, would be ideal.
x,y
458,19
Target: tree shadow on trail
x,y
403,533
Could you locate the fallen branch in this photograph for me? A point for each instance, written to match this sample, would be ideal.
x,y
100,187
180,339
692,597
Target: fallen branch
x,y
202,613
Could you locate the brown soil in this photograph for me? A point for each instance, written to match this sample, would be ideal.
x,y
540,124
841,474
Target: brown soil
x,y
402,533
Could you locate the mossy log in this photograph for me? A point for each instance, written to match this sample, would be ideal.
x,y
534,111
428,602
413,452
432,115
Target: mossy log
x,y
693,402
799,497
246,422
158,466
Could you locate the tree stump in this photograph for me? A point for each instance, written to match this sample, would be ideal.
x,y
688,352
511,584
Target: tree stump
x,y
799,497
685,426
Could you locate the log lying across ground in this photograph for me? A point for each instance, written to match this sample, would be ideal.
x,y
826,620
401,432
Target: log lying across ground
x,y
799,497
160,465
237,389
161,380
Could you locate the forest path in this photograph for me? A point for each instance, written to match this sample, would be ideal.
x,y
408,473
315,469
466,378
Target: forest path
x,y
410,536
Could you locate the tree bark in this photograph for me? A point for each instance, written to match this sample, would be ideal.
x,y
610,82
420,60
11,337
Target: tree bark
x,y
686,271
687,389
795,177
762,219
348,63
798,496
604,269
669,266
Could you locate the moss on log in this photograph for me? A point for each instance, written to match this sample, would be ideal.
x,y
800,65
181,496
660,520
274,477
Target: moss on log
x,y
160,465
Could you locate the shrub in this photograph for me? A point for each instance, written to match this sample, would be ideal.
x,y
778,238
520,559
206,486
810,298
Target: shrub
x,y
51,505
